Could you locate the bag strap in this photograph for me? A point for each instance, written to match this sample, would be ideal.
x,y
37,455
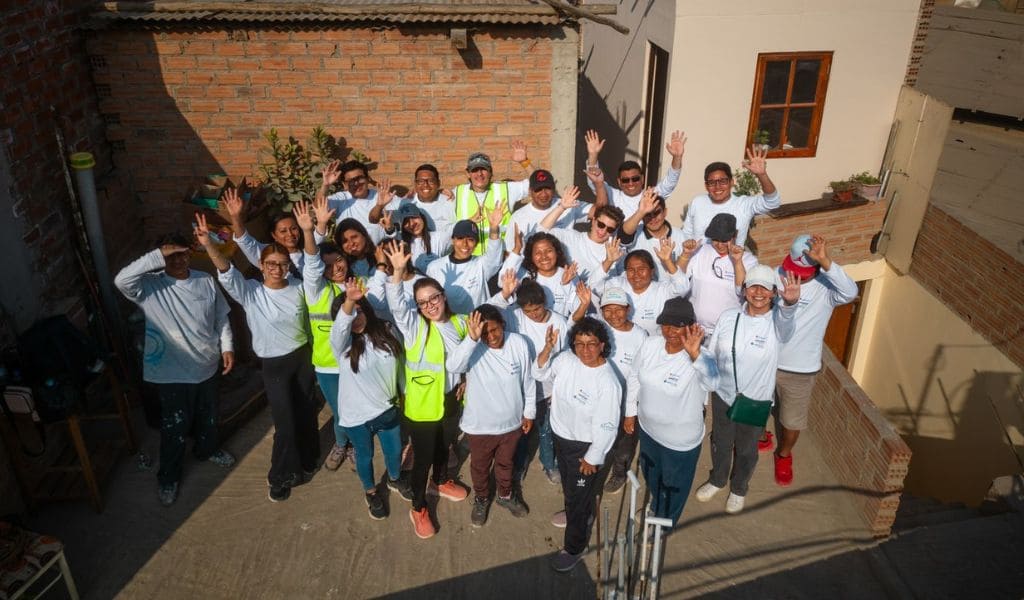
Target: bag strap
x,y
735,379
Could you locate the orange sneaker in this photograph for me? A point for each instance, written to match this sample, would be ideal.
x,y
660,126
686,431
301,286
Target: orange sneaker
x,y
449,489
421,523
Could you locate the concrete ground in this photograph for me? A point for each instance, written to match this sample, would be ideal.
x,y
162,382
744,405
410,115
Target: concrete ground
x,y
224,539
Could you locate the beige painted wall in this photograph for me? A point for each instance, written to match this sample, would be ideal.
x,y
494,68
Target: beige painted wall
x,y
714,55
937,381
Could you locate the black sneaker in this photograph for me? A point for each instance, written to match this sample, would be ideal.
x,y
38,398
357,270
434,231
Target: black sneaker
x,y
563,562
309,474
614,484
514,505
279,494
401,487
479,514
376,507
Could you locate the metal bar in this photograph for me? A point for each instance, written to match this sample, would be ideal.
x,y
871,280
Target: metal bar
x,y
620,585
660,525
634,489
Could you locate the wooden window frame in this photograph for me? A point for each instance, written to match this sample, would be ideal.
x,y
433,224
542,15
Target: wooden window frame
x,y
818,104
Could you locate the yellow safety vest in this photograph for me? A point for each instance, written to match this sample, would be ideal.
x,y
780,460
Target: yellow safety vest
x,y
425,374
466,207
320,324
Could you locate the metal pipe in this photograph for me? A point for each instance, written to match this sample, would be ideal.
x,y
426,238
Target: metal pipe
x,y
83,163
643,558
660,525
607,547
634,489
620,586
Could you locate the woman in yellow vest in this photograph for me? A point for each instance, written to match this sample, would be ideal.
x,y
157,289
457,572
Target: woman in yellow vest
x,y
431,408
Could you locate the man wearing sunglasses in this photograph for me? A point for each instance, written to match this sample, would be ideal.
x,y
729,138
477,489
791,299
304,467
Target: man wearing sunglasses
x,y
720,199
631,177
587,250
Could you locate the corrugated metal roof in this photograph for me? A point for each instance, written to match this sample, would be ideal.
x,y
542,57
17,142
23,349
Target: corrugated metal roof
x,y
499,12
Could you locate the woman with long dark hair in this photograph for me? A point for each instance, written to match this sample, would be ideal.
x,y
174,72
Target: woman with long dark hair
x,y
283,230
351,236
425,244
647,296
367,353
543,259
432,408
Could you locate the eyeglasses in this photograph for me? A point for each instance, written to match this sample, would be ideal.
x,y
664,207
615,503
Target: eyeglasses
x,y
355,180
270,264
719,272
602,226
655,212
717,182
633,179
431,301
585,345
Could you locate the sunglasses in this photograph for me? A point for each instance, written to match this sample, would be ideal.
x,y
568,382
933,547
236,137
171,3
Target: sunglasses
x,y
601,225
633,179
717,182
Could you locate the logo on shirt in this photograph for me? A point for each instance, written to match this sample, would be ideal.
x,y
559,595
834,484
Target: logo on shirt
x,y
671,379
759,341
581,397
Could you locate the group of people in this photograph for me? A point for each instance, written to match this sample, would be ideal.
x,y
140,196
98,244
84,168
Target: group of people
x,y
495,313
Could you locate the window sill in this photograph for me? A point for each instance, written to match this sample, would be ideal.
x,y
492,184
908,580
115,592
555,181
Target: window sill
x,y
821,205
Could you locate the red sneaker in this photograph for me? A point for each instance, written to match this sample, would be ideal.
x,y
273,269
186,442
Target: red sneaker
x,y
421,523
449,490
783,470
765,444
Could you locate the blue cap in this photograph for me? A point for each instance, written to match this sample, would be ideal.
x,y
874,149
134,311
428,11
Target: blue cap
x,y
465,229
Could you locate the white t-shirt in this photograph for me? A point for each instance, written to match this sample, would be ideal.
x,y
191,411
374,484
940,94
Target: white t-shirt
x,y
757,350
630,204
500,389
585,403
645,306
439,214
702,210
653,244
560,297
829,289
187,325
534,332
579,248
347,207
276,318
465,283
713,286
365,395
668,392
528,218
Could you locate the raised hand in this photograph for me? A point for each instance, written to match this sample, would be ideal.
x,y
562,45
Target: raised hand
x,y
735,253
474,326
594,142
169,249
570,198
303,216
756,161
385,221
791,288
233,202
664,249
595,175
677,145
648,201
496,215
583,293
690,247
570,272
384,195
692,337
517,246
332,174
550,338
378,252
508,283
819,251
613,251
202,230
519,151
354,289
324,213
398,257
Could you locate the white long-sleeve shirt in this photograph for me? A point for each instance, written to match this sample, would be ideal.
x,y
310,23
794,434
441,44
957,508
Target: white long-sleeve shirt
x,y
407,318
187,325
276,318
668,393
630,204
252,248
560,297
347,207
757,350
528,219
702,210
625,347
534,332
500,389
585,403
579,248
713,286
365,395
829,289
645,306
652,244
465,283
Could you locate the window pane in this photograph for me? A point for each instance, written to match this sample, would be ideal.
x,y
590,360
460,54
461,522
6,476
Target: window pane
x,y
776,81
798,130
770,120
805,82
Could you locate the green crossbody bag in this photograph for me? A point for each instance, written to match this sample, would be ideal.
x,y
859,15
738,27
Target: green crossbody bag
x,y
746,410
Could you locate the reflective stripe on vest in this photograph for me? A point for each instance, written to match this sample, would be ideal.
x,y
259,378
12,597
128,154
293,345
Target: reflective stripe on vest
x,y
467,206
425,375
320,324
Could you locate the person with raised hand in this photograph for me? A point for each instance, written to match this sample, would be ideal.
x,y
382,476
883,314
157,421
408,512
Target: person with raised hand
x,y
358,199
283,230
462,274
587,250
499,406
665,395
544,261
543,199
480,194
276,314
188,335
631,178
649,226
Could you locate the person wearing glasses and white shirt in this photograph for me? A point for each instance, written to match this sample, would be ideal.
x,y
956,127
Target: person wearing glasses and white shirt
x,y
358,199
720,199
587,250
716,267
631,177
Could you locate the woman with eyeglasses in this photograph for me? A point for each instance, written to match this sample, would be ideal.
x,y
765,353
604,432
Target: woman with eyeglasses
x,y
432,409
585,413
284,230
716,268
276,314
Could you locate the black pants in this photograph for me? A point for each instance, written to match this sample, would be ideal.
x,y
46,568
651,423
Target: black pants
x,y
430,443
288,381
186,408
579,491
620,457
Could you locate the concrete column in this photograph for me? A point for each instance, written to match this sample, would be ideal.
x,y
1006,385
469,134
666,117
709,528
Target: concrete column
x,y
564,80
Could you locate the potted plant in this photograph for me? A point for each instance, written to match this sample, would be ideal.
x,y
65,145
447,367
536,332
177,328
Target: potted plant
x,y
746,183
842,191
868,185
293,170
762,138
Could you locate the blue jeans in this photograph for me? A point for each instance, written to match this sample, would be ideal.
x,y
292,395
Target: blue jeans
x,y
385,426
545,443
329,386
669,475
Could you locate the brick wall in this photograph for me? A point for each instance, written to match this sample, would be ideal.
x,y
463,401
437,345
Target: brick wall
x,y
924,20
978,281
184,103
848,232
863,450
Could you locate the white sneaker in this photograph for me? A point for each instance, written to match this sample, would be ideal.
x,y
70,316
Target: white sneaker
x,y
734,504
707,492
